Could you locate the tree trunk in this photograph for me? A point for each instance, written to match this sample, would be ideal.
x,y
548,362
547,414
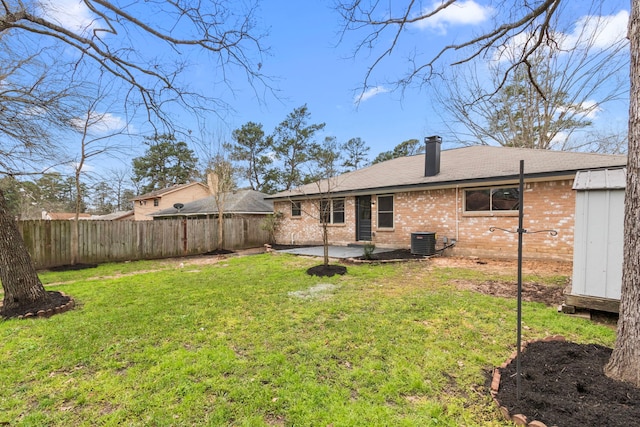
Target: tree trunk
x,y
624,364
22,287
325,244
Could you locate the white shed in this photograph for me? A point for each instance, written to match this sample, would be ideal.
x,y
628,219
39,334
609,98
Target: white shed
x,y
598,239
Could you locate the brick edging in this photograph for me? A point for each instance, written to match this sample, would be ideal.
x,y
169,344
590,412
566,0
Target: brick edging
x,y
517,419
50,312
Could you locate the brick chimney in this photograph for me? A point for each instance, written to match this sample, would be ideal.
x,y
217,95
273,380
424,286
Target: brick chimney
x,y
432,155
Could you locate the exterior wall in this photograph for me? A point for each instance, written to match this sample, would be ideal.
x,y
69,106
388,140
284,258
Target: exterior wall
x,y
143,208
548,205
599,243
307,229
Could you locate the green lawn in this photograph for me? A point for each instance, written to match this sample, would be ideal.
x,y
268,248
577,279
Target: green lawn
x,y
254,341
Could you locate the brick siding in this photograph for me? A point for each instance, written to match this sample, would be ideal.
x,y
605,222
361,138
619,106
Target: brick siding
x,y
548,205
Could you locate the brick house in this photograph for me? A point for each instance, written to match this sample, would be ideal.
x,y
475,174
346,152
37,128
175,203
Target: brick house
x,y
146,204
459,194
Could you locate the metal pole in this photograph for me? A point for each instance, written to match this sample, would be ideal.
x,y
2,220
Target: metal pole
x,y
521,231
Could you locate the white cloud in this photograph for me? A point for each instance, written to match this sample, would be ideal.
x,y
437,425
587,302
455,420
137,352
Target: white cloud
x,y
560,139
589,109
73,15
369,93
101,123
601,31
595,32
466,12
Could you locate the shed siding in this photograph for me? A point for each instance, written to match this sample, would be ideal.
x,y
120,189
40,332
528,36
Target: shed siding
x,y
597,266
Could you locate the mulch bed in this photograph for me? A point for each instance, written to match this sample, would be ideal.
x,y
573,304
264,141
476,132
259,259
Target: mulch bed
x,y
57,300
218,252
397,254
70,267
563,384
327,270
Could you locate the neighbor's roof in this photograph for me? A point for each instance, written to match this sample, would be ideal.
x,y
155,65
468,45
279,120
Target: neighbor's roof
x,y
64,215
164,191
465,165
237,202
605,179
114,216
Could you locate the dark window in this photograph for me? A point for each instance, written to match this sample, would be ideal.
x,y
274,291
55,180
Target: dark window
x,y
325,212
338,211
296,208
492,199
332,211
156,202
385,211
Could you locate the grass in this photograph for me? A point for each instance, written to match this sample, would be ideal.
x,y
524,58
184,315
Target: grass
x,y
254,341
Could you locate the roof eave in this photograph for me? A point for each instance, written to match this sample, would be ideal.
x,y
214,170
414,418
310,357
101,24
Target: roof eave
x,y
432,185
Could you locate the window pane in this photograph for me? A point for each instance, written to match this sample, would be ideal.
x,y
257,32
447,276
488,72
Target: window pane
x,y
505,199
477,200
296,208
325,211
385,220
338,211
385,203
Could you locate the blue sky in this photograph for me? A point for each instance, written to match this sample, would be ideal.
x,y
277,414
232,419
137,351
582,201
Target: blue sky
x,y
309,66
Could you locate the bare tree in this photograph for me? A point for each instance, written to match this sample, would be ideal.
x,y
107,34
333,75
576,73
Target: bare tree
x,y
119,180
325,170
97,128
221,182
37,104
531,22
574,79
225,32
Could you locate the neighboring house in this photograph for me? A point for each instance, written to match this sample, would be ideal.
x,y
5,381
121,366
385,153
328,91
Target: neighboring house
x,y
237,203
114,216
599,240
459,194
146,204
63,215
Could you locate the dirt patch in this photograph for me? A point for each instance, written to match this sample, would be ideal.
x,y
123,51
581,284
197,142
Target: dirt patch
x,y
320,290
531,292
507,266
563,384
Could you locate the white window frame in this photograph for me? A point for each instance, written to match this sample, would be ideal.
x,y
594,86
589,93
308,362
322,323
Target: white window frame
x,y
392,211
333,211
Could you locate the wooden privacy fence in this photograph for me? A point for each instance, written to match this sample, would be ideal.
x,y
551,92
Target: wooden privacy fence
x,y
49,242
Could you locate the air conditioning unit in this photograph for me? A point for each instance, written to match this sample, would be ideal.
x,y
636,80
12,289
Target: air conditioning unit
x,y
423,243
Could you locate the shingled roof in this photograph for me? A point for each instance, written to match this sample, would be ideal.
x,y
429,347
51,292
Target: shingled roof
x,y
237,202
164,191
475,164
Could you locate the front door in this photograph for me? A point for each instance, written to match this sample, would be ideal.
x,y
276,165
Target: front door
x,y
363,218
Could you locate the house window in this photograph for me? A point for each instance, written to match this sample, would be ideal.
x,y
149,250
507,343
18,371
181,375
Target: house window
x,y
492,199
332,211
385,211
156,202
296,208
